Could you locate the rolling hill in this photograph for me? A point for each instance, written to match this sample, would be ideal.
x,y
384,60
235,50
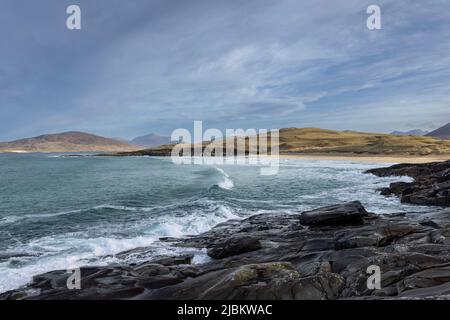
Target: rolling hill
x,y
66,142
311,141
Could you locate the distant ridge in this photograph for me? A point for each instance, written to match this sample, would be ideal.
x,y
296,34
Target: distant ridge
x,y
415,132
151,140
72,141
441,133
310,141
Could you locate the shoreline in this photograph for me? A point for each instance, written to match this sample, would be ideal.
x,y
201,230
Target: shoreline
x,y
321,254
369,158
414,159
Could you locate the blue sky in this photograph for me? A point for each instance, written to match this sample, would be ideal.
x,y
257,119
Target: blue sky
x,y
141,66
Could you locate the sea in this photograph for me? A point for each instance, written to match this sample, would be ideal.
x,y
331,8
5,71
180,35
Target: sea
x,y
60,212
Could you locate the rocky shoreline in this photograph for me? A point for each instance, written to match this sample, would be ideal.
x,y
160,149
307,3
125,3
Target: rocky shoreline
x,y
431,185
320,254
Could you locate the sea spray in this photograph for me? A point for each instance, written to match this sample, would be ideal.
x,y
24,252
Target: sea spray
x,y
225,182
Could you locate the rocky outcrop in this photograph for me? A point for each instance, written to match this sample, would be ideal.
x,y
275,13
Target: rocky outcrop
x,y
234,246
431,185
321,254
351,213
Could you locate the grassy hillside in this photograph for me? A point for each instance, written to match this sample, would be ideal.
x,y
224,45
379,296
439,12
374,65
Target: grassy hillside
x,y
311,140
329,142
66,142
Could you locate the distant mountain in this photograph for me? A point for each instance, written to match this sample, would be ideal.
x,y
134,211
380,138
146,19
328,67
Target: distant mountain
x,y
441,133
66,142
151,140
415,132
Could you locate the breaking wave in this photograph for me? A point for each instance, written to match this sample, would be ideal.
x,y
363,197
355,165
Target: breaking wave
x,y
225,182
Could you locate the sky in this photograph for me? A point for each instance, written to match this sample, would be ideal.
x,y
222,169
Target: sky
x,y
141,66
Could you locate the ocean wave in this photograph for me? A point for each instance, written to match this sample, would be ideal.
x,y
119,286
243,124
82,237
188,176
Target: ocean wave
x,y
17,218
225,182
62,253
38,216
203,215
71,250
121,208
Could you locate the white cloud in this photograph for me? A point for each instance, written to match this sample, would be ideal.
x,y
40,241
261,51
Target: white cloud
x,y
268,62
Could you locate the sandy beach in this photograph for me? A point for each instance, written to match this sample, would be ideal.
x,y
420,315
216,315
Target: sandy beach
x,y
370,158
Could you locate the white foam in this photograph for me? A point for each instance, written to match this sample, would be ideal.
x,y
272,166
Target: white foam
x,y
63,253
73,250
195,222
226,183
123,208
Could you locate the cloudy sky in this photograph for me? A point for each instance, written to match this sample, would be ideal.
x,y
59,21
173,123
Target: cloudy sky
x,y
141,66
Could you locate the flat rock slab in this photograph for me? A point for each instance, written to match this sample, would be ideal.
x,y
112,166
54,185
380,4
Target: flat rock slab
x,y
349,213
234,246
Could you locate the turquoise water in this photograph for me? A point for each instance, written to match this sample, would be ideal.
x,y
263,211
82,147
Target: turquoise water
x,y
58,213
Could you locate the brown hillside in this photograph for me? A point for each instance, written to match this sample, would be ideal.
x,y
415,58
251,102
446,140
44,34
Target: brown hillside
x,y
66,142
312,140
322,141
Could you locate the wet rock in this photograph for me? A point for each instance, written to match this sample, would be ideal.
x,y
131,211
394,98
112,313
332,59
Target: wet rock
x,y
357,241
349,213
313,268
174,260
386,292
390,277
323,286
431,184
437,292
275,257
150,269
427,278
234,246
256,281
319,244
113,282
398,187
